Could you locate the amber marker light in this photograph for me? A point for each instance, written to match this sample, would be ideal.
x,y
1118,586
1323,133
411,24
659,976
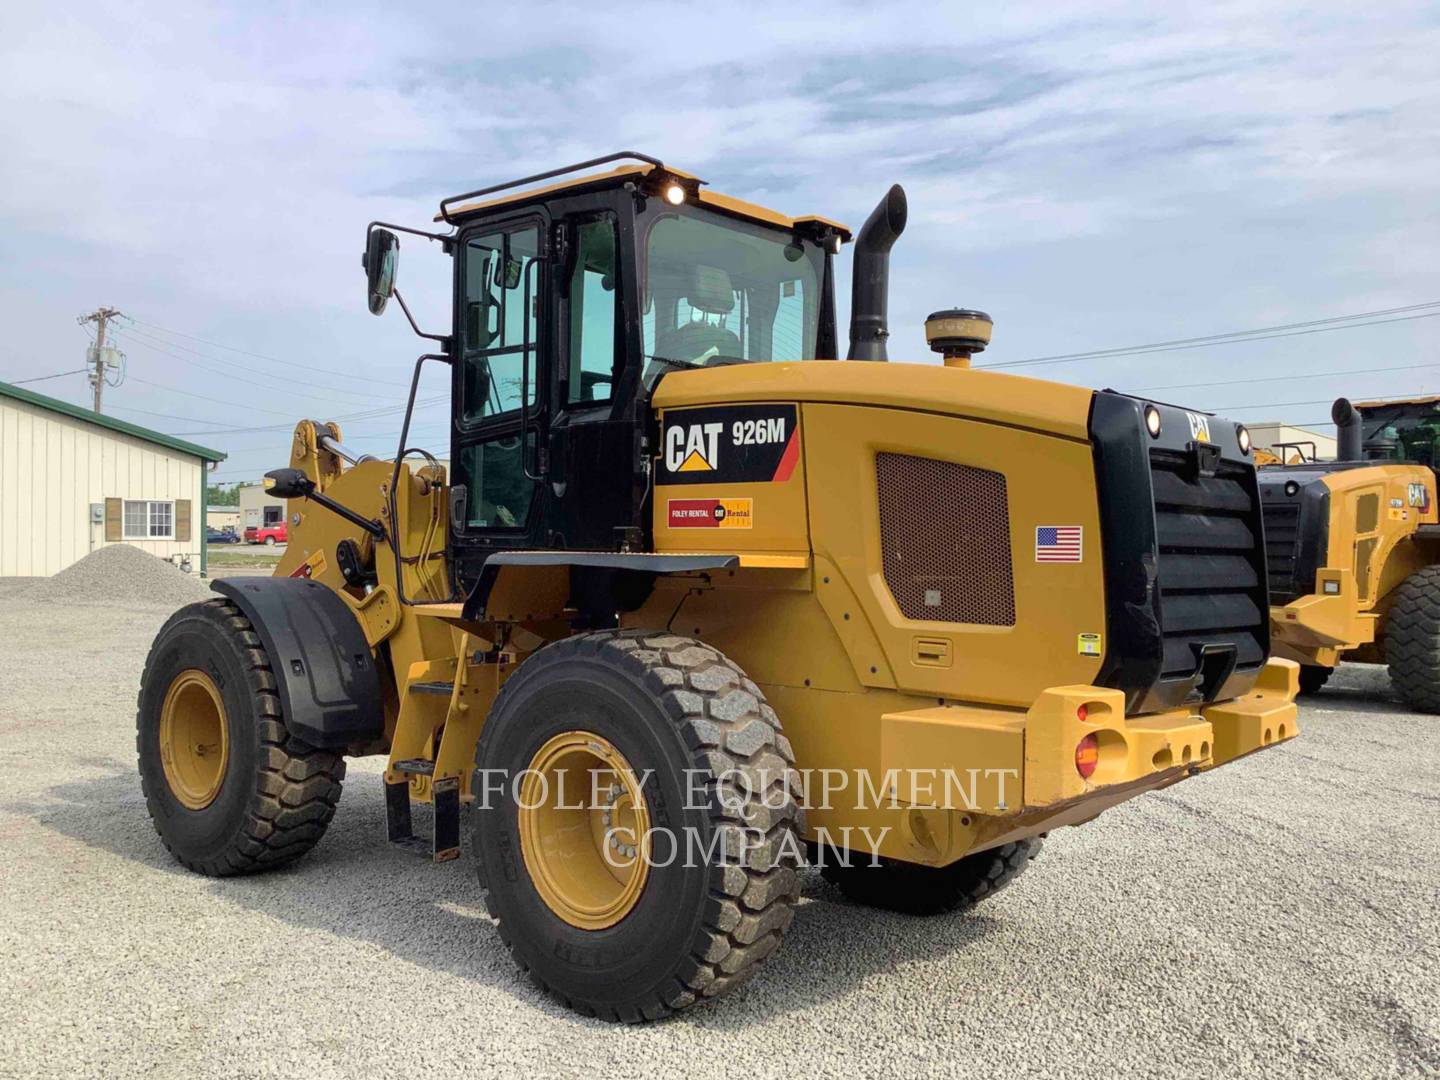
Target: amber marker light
x,y
1087,755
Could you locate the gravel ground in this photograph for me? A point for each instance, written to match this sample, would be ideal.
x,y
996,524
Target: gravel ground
x,y
1277,917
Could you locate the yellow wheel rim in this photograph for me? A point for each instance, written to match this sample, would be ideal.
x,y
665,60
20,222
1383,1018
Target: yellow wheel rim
x,y
584,830
194,740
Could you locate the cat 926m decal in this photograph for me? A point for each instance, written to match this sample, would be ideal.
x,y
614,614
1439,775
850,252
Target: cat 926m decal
x,y
729,444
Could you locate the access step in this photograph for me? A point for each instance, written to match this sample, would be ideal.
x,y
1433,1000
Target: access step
x,y
440,689
444,843
415,766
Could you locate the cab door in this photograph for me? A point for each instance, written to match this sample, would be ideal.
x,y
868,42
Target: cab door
x,y
502,346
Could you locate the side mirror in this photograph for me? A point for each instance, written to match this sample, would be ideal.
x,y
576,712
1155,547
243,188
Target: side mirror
x,y
382,255
289,483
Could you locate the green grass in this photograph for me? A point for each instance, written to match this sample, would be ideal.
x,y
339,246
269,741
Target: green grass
x,y
242,555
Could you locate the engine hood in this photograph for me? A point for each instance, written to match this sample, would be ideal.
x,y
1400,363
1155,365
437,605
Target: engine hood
x,y
1013,400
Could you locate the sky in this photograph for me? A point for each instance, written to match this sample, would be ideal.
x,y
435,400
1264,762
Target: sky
x,y
1093,175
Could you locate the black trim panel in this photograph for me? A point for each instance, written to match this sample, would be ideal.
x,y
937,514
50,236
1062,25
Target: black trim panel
x,y
639,563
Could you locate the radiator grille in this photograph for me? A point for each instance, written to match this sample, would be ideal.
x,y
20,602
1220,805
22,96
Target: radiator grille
x,y
1208,566
945,535
1282,535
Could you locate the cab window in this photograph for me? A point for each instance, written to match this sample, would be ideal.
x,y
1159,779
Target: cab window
x,y
718,291
501,282
500,492
593,301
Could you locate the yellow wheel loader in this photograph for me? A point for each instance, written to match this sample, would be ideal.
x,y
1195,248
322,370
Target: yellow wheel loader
x,y
1352,547
695,601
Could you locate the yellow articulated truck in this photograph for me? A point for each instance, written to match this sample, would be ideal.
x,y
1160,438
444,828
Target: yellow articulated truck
x,y
1352,547
696,601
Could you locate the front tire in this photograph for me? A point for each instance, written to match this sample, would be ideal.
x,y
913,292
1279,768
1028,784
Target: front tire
x,y
229,789
931,890
269,541
1412,640
715,783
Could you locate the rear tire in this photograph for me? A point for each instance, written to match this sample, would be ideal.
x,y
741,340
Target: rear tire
x,y
1412,640
715,772
1313,677
274,794
269,541
930,890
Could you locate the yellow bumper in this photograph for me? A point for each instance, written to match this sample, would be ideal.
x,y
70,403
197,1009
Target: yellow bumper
x,y
1004,775
1318,627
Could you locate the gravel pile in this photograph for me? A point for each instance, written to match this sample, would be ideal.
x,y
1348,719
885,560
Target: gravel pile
x,y
118,574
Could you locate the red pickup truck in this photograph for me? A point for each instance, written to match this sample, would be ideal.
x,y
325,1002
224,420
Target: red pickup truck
x,y
269,535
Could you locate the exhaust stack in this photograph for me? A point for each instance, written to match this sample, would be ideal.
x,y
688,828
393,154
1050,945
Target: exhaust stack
x,y
870,279
1347,431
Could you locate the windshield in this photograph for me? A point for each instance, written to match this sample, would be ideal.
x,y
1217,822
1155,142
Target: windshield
x,y
720,291
1404,432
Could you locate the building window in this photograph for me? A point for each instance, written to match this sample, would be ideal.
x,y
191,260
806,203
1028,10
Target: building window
x,y
149,520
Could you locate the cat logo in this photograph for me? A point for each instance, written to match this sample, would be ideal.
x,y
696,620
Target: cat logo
x,y
692,448
1419,496
1199,426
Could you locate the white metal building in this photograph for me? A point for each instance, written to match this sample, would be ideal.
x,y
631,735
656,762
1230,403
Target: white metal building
x,y
258,507
72,481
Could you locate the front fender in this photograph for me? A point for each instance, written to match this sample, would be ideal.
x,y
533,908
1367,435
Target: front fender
x,y
327,679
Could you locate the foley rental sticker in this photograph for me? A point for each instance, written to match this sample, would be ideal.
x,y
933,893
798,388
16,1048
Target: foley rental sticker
x,y
710,513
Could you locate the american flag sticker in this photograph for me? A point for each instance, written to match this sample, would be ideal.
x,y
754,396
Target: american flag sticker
x,y
1059,543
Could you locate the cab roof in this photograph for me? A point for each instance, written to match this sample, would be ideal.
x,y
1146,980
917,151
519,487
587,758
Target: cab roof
x,y
1432,400
694,187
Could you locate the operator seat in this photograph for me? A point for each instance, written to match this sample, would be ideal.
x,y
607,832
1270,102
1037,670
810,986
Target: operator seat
x,y
709,292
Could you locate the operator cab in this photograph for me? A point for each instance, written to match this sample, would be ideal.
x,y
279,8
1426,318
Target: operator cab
x,y
1401,430
571,302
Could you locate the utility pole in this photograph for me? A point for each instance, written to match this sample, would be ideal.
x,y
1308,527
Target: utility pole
x,y
100,317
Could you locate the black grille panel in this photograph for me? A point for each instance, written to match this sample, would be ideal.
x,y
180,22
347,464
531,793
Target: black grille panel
x,y
1282,535
1209,564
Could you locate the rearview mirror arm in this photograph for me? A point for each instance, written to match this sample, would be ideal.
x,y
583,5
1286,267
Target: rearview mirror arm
x,y
443,339
294,484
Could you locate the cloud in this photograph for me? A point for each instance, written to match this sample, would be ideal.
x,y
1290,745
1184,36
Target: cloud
x,y
1092,174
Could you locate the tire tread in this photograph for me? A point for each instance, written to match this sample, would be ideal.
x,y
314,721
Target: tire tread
x,y
723,719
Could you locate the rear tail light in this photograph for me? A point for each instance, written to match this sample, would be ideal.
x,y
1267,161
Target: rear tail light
x,y
1087,756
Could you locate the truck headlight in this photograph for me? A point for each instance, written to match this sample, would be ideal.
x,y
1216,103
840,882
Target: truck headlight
x,y
1242,436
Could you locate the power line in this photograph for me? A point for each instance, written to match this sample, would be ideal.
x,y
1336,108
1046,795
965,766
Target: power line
x,y
167,347
289,388
1286,378
202,397
389,410
261,356
42,378
1287,404
1264,333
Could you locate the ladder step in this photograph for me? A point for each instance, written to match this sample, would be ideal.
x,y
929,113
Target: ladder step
x,y
444,844
442,688
416,767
